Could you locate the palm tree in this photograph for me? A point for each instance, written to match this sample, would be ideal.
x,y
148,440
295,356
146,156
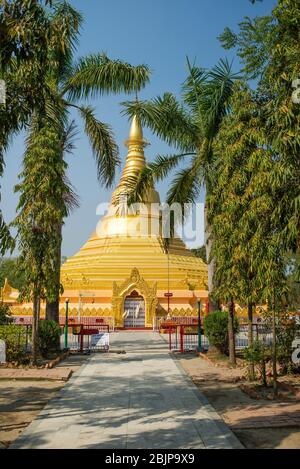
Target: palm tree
x,y
190,127
28,31
39,226
94,74
45,199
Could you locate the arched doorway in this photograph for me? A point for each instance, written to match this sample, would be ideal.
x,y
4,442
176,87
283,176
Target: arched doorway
x,y
134,311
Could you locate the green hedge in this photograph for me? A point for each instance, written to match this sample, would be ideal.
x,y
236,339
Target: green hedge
x,y
216,329
15,339
49,336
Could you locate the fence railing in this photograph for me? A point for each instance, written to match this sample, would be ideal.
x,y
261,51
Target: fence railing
x,y
157,323
85,337
99,320
80,337
184,337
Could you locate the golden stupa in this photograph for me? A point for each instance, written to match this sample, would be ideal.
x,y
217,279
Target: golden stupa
x,y
123,272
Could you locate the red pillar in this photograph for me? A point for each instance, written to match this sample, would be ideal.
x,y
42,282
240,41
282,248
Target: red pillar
x,y
170,338
181,338
81,338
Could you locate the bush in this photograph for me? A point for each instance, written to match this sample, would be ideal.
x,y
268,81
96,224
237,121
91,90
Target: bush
x,y
49,336
15,339
216,329
286,332
4,313
258,354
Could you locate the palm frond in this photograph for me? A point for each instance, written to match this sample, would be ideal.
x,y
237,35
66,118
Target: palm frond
x,y
193,86
65,24
163,164
69,137
104,148
70,198
216,96
55,109
187,184
184,190
96,74
7,242
167,119
137,186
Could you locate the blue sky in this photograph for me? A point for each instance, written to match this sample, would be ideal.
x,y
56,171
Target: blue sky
x,y
159,33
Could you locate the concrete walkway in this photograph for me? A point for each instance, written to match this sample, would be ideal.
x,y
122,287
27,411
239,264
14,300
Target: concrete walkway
x,y
141,399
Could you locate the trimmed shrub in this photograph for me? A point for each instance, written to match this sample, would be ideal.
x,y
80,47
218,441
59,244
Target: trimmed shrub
x,y
49,336
15,339
216,329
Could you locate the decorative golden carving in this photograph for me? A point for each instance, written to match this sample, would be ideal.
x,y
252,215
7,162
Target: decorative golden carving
x,y
190,284
85,280
134,282
184,312
194,281
66,280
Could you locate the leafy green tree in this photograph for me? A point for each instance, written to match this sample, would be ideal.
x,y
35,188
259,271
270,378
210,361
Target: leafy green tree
x,y
293,279
41,213
28,31
237,153
249,250
9,269
269,48
200,252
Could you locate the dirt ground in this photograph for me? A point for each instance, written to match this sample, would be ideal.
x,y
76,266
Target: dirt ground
x,y
259,423
22,400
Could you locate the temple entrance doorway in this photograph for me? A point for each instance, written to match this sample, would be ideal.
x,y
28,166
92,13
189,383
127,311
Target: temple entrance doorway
x,y
134,311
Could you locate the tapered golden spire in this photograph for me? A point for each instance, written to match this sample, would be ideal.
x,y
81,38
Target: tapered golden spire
x,y
136,132
135,160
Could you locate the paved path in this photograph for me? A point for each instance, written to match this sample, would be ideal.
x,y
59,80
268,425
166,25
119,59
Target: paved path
x,y
141,399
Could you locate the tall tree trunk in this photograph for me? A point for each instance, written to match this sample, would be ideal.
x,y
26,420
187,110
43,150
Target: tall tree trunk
x,y
263,372
35,327
274,348
52,307
231,338
250,339
213,305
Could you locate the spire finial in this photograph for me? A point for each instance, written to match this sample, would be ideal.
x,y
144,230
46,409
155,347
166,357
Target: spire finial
x,y
135,162
136,132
